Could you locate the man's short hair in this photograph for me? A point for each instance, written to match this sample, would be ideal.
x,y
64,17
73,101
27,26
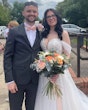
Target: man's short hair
x,y
30,3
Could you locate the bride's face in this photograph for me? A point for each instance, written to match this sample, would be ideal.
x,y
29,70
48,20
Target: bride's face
x,y
51,19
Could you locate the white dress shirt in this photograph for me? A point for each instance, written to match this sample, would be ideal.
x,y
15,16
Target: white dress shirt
x,y
31,35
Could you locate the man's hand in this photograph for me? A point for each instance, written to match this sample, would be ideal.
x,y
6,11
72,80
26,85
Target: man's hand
x,y
12,87
40,27
54,78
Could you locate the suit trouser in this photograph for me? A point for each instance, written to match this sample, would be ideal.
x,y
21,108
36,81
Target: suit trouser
x,y
25,92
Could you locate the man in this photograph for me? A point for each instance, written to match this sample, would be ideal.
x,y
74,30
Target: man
x,y
22,47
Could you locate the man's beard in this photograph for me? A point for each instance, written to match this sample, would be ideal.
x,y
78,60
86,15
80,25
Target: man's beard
x,y
30,20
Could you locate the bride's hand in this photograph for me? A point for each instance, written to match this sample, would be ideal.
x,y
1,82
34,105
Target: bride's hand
x,y
54,78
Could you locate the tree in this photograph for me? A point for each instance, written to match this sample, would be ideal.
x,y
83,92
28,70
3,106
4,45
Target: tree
x,y
75,11
63,7
16,11
5,3
4,15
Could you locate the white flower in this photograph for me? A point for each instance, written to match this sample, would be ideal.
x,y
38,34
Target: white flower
x,y
39,26
46,53
36,23
61,57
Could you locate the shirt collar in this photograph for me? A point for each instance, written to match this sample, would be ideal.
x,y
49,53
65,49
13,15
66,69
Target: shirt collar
x,y
27,25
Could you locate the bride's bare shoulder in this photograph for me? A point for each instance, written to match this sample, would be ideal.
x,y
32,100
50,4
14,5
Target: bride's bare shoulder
x,y
65,33
65,36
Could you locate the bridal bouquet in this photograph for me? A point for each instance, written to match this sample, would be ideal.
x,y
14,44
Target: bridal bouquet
x,y
50,64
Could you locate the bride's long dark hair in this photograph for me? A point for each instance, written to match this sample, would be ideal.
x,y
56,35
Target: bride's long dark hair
x,y
58,27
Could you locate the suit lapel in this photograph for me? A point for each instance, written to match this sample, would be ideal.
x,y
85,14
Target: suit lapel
x,y
37,40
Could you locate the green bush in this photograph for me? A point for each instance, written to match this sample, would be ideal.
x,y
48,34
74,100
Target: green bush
x,y
83,23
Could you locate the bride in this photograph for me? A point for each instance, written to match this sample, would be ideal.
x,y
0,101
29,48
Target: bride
x,y
58,39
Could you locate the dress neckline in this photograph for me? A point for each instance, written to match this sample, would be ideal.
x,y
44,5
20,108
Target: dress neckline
x,y
51,39
58,40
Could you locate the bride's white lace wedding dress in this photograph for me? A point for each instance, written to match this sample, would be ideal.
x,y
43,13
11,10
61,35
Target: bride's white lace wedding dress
x,y
72,97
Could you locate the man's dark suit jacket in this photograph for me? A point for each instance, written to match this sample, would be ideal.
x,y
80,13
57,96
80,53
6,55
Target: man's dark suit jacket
x,y
19,55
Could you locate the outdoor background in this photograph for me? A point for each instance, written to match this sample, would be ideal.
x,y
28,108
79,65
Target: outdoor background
x,y
71,11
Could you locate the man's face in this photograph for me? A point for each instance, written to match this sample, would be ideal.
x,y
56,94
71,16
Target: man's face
x,y
30,13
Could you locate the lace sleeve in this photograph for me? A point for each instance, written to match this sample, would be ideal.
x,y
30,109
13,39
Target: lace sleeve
x,y
66,47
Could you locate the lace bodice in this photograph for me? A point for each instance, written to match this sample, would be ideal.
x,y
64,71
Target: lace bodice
x,y
56,45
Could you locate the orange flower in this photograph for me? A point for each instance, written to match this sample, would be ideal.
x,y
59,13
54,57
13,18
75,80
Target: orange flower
x,y
49,58
56,54
60,61
41,65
